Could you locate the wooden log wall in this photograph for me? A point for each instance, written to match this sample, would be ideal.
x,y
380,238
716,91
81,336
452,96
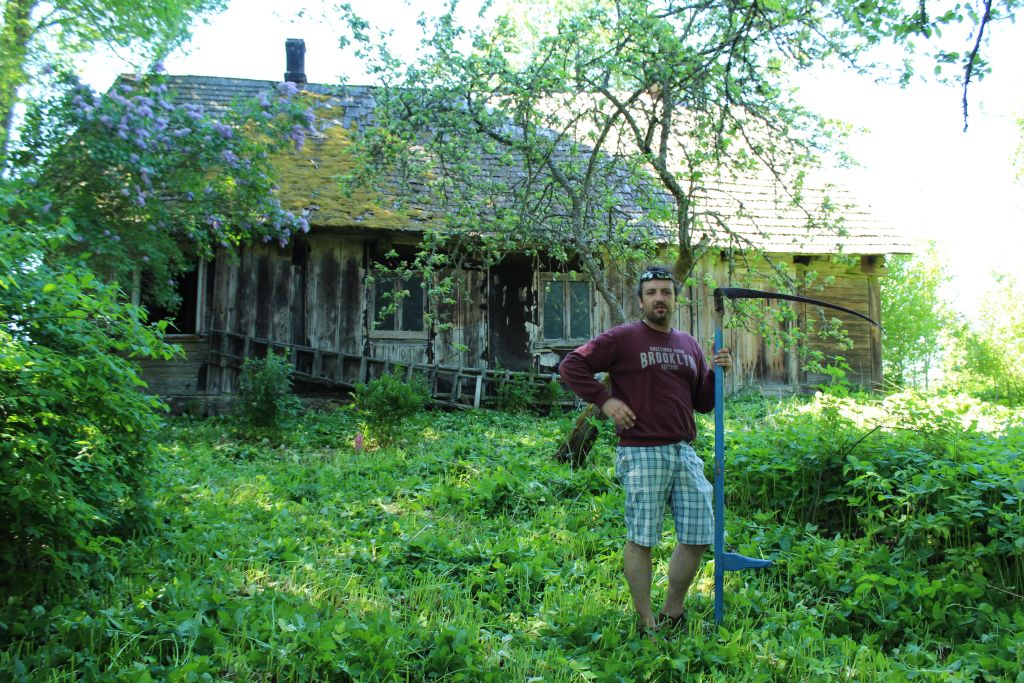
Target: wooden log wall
x,y
312,296
183,377
758,362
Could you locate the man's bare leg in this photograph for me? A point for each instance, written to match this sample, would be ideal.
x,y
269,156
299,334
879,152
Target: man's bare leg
x,y
636,562
682,567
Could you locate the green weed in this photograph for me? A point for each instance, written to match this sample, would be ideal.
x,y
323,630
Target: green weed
x,y
467,553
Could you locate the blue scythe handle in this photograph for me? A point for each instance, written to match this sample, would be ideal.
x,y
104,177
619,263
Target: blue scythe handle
x,y
733,561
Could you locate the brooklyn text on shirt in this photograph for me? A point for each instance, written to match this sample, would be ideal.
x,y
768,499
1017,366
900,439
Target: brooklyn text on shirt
x,y
667,358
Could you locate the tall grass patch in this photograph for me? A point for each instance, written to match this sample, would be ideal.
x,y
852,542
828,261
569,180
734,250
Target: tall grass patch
x,y
465,552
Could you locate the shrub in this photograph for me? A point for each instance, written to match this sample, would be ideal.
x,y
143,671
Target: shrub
x,y
385,402
76,433
265,400
516,395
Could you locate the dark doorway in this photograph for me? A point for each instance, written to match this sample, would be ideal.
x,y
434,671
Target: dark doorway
x,y
184,320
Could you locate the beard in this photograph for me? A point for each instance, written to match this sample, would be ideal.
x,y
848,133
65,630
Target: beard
x,y
658,316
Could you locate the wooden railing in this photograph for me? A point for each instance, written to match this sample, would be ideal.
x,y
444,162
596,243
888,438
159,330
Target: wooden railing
x,y
450,386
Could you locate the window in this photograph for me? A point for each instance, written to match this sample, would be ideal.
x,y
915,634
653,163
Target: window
x,y
565,309
398,305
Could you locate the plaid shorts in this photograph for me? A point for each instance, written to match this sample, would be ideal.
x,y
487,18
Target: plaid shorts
x,y
654,476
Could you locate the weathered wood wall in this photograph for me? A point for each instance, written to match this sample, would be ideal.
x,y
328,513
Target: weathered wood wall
x,y
314,294
183,377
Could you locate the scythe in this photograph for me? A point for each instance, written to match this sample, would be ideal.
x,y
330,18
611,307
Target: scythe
x,y
733,561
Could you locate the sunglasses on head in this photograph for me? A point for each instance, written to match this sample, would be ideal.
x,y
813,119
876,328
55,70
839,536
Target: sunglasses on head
x,y
656,275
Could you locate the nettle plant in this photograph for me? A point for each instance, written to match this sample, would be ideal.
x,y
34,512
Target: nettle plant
x,y
153,184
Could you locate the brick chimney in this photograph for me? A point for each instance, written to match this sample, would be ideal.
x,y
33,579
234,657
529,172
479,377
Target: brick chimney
x,y
295,53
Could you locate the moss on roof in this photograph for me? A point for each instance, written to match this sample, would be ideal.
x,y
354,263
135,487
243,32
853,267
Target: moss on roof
x,y
307,180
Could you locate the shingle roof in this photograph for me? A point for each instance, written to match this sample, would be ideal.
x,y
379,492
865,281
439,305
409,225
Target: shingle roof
x,y
757,211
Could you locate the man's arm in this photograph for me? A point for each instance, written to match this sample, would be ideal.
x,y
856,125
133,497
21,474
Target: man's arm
x,y
578,369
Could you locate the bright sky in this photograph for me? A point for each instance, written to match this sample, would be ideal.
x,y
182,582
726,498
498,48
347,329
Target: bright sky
x,y
920,171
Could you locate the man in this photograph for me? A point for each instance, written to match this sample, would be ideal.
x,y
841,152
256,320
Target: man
x,y
659,377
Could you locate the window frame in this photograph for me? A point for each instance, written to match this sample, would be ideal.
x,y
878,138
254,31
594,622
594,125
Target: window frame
x,y
377,332
566,340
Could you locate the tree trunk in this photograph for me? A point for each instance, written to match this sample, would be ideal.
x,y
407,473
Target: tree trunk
x,y
15,34
576,447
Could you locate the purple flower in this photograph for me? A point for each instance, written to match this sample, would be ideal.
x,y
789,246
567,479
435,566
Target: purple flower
x,y
189,196
224,130
263,100
298,136
287,88
134,158
145,258
303,225
158,68
309,115
229,157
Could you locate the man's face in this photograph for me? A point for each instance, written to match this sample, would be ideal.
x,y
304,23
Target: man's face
x,y
657,300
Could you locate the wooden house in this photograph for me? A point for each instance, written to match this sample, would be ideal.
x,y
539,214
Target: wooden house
x,y
316,296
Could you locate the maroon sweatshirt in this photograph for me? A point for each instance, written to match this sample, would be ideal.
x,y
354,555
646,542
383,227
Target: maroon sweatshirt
x,y
662,376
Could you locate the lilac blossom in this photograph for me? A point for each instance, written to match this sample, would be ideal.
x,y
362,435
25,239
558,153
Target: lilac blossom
x,y
287,88
298,136
223,129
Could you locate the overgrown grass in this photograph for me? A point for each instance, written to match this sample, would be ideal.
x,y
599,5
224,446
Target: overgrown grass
x,y
465,553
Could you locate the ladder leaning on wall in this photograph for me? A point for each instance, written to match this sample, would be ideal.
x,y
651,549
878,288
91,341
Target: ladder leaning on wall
x,y
450,386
